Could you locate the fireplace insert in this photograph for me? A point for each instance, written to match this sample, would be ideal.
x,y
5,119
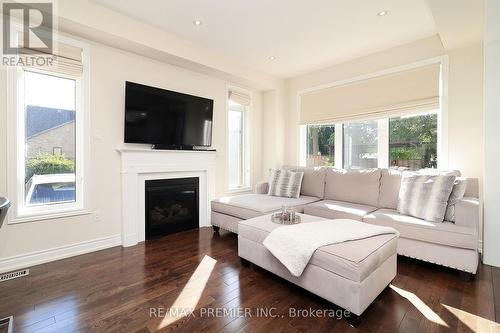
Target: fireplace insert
x,y
171,206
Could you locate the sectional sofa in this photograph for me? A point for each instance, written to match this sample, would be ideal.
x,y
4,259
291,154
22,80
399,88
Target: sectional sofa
x,y
370,196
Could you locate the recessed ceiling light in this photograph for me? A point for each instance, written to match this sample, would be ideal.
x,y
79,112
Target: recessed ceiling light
x,y
197,22
272,58
383,13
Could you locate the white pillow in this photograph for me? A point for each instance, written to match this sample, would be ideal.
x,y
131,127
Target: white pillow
x,y
285,183
437,172
425,196
456,195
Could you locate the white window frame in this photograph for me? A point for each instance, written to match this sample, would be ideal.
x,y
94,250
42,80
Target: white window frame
x,y
383,123
20,212
246,144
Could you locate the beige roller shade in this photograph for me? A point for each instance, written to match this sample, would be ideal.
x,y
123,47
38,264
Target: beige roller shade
x,y
239,97
65,59
390,94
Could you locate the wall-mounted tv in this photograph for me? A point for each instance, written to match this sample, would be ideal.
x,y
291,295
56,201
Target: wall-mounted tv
x,y
166,119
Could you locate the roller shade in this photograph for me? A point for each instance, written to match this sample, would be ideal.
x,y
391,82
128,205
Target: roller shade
x,y
381,96
65,59
239,97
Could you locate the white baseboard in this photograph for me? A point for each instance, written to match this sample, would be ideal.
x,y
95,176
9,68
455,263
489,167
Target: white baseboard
x,y
41,257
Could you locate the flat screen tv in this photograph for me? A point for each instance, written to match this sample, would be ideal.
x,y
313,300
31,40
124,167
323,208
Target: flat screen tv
x,y
166,119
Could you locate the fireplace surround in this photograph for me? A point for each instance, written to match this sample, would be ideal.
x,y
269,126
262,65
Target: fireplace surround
x,y
142,164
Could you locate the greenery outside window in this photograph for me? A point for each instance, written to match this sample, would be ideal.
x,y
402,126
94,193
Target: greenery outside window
x,y
320,145
413,141
409,141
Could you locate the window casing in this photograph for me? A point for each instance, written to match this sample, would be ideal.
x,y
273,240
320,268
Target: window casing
x,y
47,145
239,106
403,91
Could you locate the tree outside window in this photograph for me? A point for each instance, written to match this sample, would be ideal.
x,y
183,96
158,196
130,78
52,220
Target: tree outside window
x,y
413,141
320,145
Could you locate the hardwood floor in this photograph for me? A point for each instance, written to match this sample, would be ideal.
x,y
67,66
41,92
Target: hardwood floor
x,y
117,290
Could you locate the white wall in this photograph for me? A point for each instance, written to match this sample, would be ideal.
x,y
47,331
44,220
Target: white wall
x,y
492,135
273,127
465,110
109,69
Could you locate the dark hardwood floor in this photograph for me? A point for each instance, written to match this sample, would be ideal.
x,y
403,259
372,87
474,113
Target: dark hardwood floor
x,y
121,290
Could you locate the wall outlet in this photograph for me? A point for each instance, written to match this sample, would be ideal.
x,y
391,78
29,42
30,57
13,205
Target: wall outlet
x,y
97,216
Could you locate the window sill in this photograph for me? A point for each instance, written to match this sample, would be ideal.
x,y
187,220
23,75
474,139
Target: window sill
x,y
239,190
48,216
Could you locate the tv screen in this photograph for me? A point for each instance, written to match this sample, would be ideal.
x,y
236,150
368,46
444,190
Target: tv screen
x,y
164,117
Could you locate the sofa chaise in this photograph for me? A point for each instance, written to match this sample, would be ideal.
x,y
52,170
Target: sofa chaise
x,y
370,196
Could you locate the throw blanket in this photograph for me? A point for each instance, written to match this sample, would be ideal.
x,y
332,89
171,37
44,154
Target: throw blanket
x,y
294,245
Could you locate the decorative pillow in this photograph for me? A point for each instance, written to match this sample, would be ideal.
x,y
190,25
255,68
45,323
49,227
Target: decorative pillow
x,y
285,183
425,196
437,172
456,195
390,182
313,182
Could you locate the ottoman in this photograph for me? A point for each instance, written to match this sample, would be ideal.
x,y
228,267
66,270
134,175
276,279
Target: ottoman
x,y
350,274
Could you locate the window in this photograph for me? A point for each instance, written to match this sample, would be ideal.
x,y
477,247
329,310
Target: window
x,y
47,132
49,117
238,159
408,141
236,149
413,141
360,149
320,145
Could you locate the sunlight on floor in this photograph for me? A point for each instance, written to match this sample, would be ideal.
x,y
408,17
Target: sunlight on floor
x,y
420,305
473,322
191,293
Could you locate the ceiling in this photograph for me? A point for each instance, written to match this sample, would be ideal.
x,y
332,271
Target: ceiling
x,y
302,35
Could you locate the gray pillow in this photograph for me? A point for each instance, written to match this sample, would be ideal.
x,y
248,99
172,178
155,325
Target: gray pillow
x,y
285,183
425,196
456,195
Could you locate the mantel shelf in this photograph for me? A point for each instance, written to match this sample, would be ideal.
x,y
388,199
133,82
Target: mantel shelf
x,y
149,150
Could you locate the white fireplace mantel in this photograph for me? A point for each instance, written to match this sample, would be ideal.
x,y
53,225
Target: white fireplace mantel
x,y
141,164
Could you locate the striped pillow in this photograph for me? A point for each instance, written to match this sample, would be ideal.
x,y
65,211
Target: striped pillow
x,y
285,183
425,196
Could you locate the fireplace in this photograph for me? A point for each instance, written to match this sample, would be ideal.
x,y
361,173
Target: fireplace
x,y
171,206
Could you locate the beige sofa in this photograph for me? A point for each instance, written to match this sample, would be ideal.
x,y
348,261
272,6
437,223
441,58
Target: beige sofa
x,y
370,196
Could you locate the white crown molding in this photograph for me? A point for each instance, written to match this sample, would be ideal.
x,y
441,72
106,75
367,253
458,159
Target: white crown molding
x,y
40,257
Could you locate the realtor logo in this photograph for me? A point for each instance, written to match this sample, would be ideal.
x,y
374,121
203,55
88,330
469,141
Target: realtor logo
x,y
36,20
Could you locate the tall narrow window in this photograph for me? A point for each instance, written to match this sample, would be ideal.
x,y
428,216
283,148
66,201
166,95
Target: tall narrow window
x,y
238,161
49,135
413,141
320,145
50,115
360,143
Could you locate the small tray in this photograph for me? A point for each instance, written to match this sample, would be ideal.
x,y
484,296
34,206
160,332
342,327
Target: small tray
x,y
276,218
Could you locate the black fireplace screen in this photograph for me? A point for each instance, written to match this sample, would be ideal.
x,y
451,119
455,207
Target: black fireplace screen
x,y
171,206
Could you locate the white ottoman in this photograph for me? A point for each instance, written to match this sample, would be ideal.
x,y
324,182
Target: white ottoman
x,y
350,274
